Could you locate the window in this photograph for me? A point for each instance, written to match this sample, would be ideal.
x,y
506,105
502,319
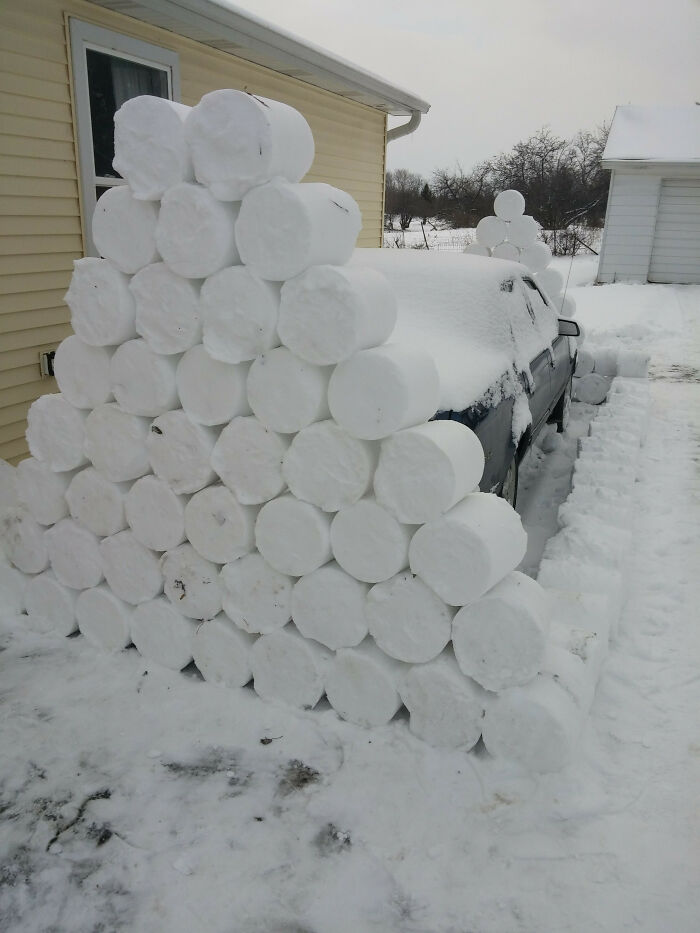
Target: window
x,y
108,69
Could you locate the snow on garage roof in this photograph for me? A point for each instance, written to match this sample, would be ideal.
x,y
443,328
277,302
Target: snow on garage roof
x,y
654,134
226,27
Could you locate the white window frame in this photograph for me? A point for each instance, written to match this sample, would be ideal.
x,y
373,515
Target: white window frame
x,y
84,36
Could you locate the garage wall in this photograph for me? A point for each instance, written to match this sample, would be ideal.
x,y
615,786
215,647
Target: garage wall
x,y
629,227
41,231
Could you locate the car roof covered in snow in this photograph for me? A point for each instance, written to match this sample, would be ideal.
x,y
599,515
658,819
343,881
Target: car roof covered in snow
x,y
454,305
654,134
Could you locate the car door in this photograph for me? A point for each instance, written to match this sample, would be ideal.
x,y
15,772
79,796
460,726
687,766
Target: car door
x,y
561,356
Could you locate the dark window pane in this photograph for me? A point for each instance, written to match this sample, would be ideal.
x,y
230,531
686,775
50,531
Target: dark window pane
x,y
112,81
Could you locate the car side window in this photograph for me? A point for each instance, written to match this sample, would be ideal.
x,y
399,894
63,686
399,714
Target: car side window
x,y
543,314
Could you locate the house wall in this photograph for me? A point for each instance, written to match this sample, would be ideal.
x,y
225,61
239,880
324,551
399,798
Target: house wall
x,y
629,226
41,231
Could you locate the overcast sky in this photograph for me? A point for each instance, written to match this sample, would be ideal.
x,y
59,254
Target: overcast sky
x,y
494,71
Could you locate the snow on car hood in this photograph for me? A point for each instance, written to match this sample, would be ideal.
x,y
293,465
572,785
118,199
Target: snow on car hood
x,y
453,306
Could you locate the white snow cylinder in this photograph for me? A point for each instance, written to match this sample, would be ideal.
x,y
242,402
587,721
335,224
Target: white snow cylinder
x,y
468,550
255,596
56,433
167,309
584,363
423,471
97,503
605,361
287,393
191,583
103,312
239,140
500,639
477,249
218,526
551,282
368,542
50,605
506,251
293,536
509,205
330,312
195,233
82,372
283,229
150,149
490,231
523,231
536,257
239,314
179,451
211,392
591,389
124,229
23,540
407,620
42,491
143,382
447,708
115,442
131,570
104,619
156,515
382,390
221,652
13,585
328,605
632,364
361,685
288,667
74,553
328,467
248,458
162,635
536,725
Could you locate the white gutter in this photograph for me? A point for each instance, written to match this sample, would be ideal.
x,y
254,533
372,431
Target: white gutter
x,y
406,128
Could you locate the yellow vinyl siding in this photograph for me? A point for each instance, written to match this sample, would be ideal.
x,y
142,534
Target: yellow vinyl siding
x,y
40,230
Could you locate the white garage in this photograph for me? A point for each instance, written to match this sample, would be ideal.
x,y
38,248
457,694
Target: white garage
x,y
652,224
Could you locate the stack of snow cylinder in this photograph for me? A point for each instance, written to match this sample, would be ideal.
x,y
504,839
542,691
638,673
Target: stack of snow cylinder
x,y
237,443
596,367
512,234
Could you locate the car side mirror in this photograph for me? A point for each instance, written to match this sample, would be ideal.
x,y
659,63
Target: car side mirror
x,y
568,328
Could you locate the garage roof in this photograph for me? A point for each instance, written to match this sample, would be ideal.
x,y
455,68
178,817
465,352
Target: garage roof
x,y
654,134
224,26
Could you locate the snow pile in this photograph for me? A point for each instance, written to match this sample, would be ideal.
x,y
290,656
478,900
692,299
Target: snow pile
x,y
336,503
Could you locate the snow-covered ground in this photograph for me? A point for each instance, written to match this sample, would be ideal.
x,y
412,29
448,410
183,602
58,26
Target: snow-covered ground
x,y
134,798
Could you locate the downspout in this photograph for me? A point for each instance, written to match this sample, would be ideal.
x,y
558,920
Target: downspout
x,y
406,128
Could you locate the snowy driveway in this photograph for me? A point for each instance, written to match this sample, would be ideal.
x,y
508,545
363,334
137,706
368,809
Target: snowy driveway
x,y
133,798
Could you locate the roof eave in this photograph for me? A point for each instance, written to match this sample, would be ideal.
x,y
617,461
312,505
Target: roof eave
x,y
651,164
245,36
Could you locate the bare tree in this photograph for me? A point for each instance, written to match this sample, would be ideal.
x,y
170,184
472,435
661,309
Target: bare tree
x,y
403,197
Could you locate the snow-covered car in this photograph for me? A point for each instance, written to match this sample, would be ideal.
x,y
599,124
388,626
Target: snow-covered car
x,y
505,358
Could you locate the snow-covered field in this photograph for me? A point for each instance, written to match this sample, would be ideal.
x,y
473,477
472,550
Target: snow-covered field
x,y
134,798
